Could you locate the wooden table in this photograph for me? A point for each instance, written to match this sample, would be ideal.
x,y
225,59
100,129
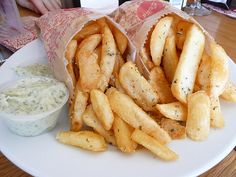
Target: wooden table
x,y
224,30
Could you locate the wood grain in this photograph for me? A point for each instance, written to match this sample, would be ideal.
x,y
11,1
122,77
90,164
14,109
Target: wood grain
x,y
224,30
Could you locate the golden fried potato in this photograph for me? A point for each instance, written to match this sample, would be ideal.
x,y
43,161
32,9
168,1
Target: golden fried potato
x,y
217,120
108,57
87,30
203,74
175,130
84,139
123,132
102,108
70,69
181,32
132,114
219,74
158,39
229,93
121,40
198,119
137,86
175,111
87,62
79,105
153,145
146,58
91,120
160,85
170,58
70,51
189,60
98,52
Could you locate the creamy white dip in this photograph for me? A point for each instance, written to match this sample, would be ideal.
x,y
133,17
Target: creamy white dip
x,y
34,70
32,95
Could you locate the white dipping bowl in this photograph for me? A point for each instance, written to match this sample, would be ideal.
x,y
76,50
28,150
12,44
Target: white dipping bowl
x,y
33,124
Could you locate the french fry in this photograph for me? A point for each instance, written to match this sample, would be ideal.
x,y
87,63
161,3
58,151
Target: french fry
x,y
187,67
132,114
70,51
198,119
108,57
70,54
87,30
89,72
153,145
137,86
70,69
122,132
219,74
175,111
175,130
146,58
203,75
86,60
160,85
79,105
158,39
102,108
170,58
121,40
98,52
229,93
91,120
84,139
217,120
181,31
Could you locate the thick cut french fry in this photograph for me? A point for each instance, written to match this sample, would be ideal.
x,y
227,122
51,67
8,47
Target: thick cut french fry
x,y
203,75
70,51
198,119
87,30
132,114
175,130
153,145
181,31
84,139
146,58
160,85
121,40
79,105
158,39
70,69
217,120
108,57
91,120
87,47
102,108
89,72
86,60
175,111
70,54
170,58
229,93
122,132
219,74
186,71
137,86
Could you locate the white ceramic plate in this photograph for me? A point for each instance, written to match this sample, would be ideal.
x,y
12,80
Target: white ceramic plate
x,y
44,156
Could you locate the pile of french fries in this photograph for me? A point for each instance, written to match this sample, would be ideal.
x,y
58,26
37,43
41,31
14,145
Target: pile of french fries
x,y
113,103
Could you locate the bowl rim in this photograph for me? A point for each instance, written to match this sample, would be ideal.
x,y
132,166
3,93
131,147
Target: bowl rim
x,y
31,117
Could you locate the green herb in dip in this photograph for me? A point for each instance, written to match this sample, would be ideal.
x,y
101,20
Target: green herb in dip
x,y
32,95
34,70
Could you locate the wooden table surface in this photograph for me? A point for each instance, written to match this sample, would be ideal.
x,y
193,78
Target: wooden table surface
x,y
223,30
